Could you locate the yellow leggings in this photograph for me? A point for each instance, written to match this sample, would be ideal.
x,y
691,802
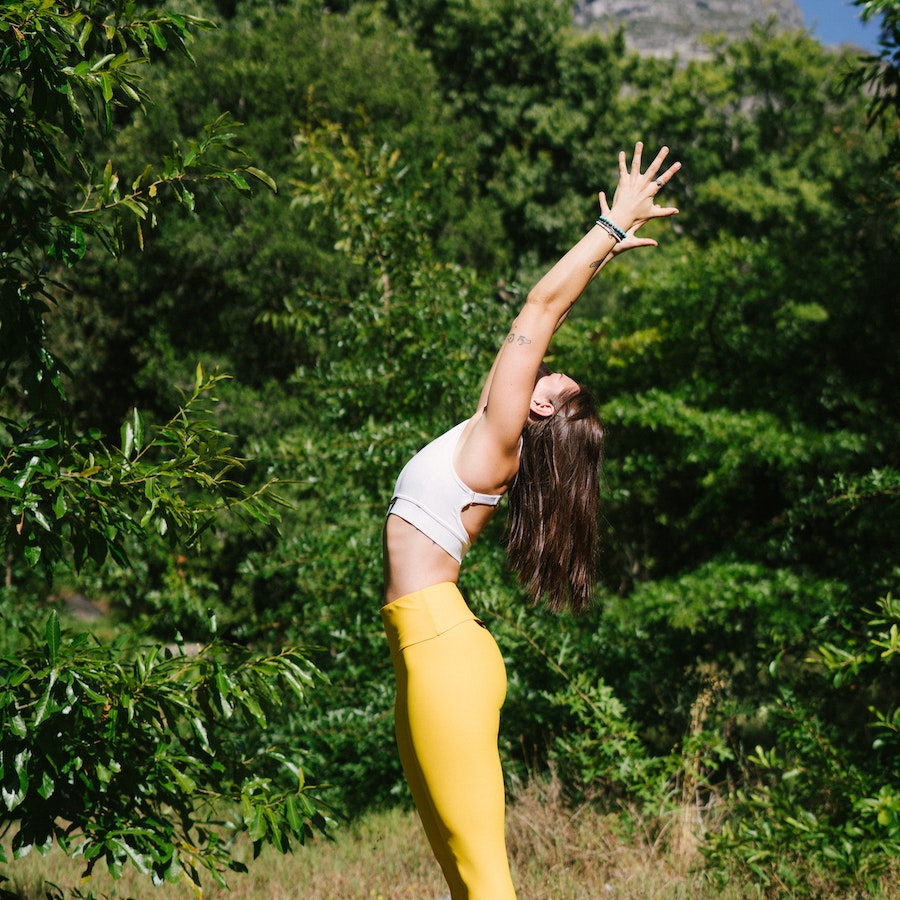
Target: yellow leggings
x,y
451,683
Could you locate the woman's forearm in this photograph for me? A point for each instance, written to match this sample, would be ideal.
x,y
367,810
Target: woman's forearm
x,y
565,282
633,205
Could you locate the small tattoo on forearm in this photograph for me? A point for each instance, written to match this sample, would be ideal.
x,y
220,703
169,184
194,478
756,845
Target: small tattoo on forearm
x,y
518,339
596,263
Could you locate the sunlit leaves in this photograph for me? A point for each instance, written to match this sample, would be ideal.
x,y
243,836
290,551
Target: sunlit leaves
x,y
878,76
402,309
66,66
77,495
136,754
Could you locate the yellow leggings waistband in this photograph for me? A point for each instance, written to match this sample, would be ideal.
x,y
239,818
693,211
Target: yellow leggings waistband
x,y
424,615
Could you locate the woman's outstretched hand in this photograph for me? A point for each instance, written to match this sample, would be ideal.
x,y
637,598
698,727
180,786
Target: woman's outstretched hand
x,y
631,241
634,202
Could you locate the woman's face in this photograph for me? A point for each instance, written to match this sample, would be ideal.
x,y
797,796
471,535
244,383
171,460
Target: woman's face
x,y
552,387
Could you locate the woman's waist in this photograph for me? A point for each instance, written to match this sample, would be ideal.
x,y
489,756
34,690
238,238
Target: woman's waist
x,y
424,614
413,561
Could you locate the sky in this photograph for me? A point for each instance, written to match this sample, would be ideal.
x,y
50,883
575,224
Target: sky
x,y
837,21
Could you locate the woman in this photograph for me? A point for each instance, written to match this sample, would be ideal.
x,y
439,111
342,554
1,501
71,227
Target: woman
x,y
536,435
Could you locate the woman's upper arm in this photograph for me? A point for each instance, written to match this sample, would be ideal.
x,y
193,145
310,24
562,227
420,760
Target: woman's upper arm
x,y
506,397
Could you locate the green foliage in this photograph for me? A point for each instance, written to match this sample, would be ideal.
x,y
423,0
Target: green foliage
x,y
251,260
600,747
67,495
879,76
400,308
703,482
128,754
531,94
813,796
131,753
59,63
65,67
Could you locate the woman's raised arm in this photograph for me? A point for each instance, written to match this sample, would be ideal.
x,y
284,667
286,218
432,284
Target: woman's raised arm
x,y
506,396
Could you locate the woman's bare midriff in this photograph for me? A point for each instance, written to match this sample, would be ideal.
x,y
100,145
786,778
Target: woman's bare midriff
x,y
413,561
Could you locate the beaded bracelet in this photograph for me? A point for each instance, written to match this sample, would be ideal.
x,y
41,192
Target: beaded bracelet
x,y
611,229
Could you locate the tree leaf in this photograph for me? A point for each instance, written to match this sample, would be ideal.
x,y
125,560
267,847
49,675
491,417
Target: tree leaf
x,y
52,636
265,178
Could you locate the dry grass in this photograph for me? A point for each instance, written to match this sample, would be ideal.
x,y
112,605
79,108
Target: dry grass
x,y
383,856
557,853
560,852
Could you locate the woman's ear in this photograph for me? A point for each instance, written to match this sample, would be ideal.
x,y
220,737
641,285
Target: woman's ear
x,y
541,406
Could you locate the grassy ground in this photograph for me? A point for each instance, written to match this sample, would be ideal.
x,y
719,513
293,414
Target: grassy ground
x,y
557,853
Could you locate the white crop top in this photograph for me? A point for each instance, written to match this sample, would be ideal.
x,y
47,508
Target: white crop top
x,y
431,496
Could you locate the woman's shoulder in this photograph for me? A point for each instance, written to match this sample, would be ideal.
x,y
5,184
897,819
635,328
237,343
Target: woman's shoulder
x,y
482,462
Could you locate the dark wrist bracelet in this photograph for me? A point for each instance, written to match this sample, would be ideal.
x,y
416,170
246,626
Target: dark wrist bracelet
x,y
611,229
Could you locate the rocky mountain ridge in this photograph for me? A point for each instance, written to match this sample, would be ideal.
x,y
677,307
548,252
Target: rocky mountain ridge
x,y
676,27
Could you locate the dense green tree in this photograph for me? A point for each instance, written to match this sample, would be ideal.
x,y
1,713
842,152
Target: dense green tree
x,y
287,69
125,755
538,99
65,67
74,722
782,309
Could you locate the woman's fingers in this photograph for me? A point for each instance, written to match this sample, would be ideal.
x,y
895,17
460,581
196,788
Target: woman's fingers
x,y
636,158
653,169
668,175
635,194
655,166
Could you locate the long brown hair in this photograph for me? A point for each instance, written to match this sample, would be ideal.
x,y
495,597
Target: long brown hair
x,y
552,528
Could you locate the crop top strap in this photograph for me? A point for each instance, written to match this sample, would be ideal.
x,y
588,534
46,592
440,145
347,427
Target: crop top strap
x,y
486,499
